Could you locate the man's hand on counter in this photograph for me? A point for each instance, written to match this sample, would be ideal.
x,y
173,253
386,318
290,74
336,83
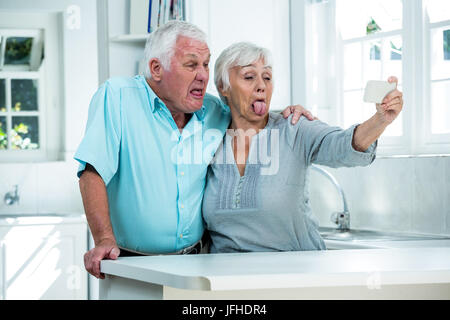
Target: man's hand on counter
x,y
106,249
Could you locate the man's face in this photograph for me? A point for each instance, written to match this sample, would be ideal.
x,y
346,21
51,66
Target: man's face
x,y
186,81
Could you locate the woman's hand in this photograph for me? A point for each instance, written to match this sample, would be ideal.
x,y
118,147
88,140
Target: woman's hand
x,y
391,106
298,111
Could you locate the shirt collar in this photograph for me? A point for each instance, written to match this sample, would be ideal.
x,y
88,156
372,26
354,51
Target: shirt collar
x,y
201,113
152,97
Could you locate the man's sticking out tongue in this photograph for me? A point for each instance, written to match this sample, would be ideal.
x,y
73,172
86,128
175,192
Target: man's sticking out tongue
x,y
259,107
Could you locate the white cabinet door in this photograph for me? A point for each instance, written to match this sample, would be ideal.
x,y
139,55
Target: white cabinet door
x,y
44,261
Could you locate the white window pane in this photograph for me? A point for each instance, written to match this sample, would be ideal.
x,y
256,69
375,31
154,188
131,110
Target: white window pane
x,y
372,61
353,17
438,10
395,129
392,64
353,108
440,53
352,66
440,107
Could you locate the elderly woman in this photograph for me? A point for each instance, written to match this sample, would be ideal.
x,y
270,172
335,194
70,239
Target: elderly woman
x,y
253,204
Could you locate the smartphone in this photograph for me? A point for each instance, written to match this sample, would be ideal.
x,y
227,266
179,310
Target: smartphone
x,y
376,91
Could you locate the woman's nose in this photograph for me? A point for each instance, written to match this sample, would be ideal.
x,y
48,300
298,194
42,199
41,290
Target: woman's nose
x,y
260,85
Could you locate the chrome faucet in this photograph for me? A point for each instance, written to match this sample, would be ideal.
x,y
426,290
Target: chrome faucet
x,y
342,219
12,196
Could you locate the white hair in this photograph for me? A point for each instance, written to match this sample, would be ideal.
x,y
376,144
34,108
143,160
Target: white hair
x,y
161,43
237,55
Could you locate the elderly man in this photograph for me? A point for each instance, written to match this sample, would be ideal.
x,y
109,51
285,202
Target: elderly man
x,y
141,188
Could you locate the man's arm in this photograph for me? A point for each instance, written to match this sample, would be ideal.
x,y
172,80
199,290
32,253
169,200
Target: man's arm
x,y
298,111
95,201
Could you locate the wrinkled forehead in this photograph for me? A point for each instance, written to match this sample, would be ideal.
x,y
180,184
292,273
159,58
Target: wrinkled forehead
x,y
259,63
185,46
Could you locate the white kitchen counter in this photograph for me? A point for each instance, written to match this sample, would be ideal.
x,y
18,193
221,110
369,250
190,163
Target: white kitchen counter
x,y
336,244
40,219
288,274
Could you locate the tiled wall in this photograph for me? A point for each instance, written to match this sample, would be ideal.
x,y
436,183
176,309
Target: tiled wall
x,y
401,194
50,187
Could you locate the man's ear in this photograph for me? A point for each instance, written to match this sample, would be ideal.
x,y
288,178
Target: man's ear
x,y
156,69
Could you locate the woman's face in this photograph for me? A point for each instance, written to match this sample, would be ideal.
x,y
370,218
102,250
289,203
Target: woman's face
x,y
250,91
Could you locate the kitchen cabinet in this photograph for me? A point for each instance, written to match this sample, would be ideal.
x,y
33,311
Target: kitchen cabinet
x,y
42,257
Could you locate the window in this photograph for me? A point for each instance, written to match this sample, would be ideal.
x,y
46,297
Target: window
x,y
372,48
437,17
20,82
361,40
30,87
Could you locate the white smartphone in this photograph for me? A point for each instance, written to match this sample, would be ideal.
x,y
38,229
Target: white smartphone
x,y
376,91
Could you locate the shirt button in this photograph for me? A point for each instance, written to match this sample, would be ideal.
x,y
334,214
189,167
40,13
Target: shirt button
x,y
182,173
181,235
182,206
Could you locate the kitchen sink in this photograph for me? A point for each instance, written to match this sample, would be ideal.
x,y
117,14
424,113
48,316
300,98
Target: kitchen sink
x,y
356,235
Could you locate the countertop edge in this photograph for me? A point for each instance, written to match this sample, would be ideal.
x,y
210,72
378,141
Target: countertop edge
x,y
156,277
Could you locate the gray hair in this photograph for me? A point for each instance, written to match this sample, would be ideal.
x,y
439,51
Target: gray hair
x,y
161,43
237,55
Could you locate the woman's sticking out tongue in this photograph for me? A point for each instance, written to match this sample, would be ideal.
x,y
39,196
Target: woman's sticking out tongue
x,y
260,107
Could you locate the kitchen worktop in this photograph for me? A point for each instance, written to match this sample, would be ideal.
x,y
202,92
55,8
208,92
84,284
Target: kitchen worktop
x,y
302,269
336,244
41,218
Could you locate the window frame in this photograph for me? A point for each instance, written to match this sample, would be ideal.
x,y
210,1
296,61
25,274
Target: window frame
x,y
431,140
40,113
50,87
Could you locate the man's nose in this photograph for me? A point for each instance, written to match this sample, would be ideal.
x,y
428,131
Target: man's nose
x,y
202,74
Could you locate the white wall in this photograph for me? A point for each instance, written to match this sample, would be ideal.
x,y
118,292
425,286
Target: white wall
x,y
263,22
53,186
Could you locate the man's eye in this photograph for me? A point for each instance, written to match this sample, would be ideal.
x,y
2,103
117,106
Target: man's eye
x,y
267,78
248,77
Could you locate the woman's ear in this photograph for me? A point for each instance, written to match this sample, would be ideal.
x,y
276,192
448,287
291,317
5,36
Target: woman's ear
x,y
223,92
156,69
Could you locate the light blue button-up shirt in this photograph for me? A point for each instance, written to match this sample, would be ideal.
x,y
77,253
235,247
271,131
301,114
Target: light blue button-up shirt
x,y
154,174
